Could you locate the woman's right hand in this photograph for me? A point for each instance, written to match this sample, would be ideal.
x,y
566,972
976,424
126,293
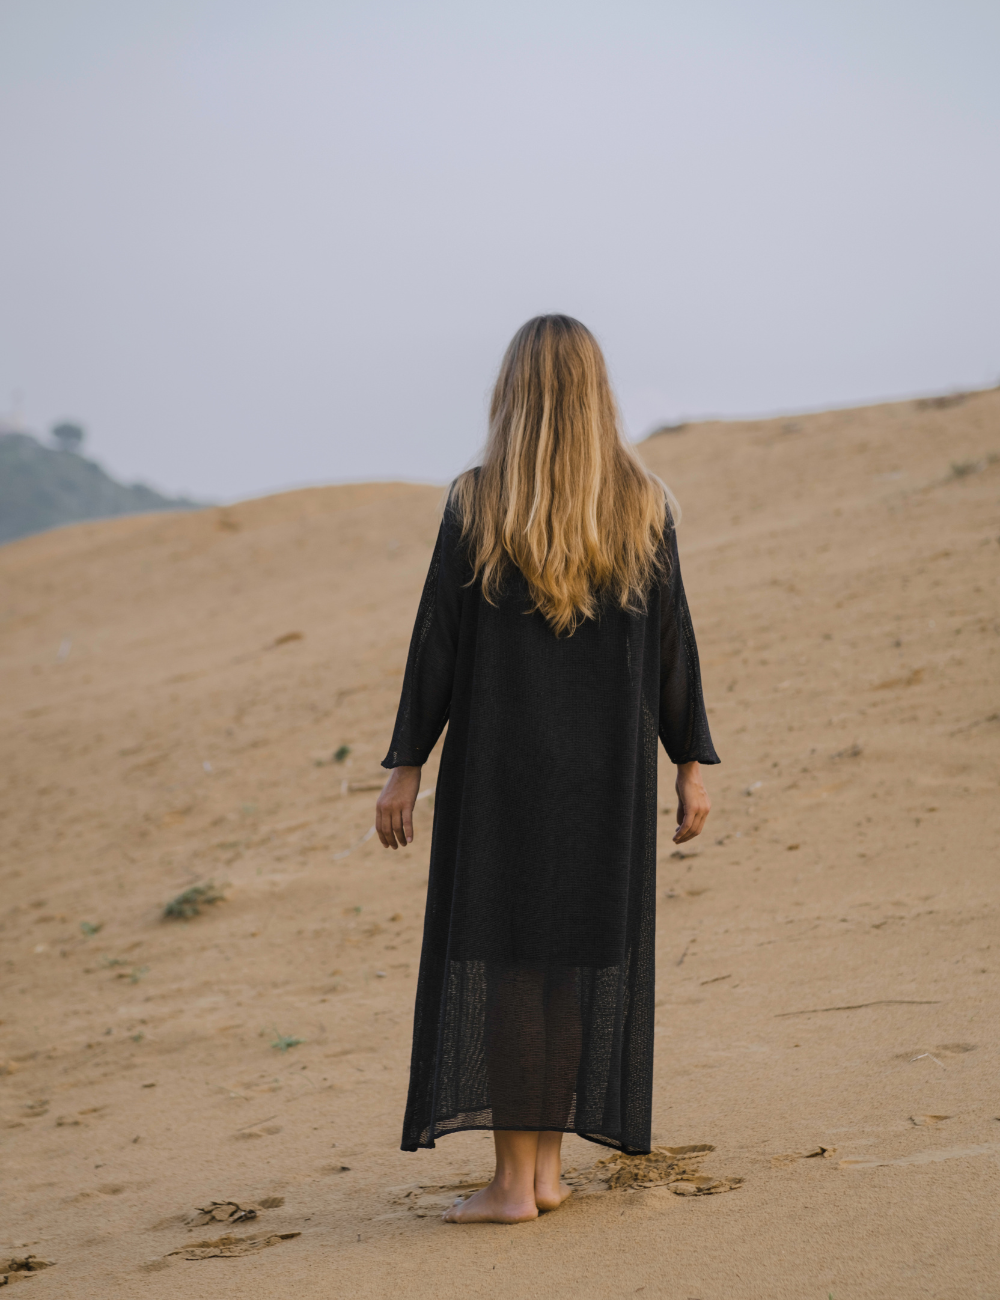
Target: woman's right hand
x,y
394,807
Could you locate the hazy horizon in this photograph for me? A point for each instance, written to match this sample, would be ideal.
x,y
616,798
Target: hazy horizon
x,y
251,247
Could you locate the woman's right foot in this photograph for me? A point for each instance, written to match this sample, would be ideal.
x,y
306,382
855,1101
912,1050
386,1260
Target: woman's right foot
x,y
552,1196
550,1190
492,1205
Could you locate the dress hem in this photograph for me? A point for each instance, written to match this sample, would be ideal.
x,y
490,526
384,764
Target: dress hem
x,y
597,1138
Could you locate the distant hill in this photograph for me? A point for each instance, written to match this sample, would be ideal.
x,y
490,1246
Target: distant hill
x,y
42,487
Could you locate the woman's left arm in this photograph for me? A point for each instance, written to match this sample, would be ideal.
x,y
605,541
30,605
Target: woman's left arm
x,y
693,803
425,700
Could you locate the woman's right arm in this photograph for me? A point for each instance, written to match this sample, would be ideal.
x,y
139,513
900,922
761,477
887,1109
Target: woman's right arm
x,y
394,807
683,722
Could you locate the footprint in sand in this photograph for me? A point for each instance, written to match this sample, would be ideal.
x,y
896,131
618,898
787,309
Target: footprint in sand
x,y
104,1189
677,1168
942,1049
15,1268
790,1158
430,1200
924,1157
257,1131
229,1247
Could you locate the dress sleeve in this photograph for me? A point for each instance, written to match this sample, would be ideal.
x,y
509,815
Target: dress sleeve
x,y
430,666
683,722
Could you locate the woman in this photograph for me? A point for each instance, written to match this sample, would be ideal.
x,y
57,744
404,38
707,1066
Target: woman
x,y
553,637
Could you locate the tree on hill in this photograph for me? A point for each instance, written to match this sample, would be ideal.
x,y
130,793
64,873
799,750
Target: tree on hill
x,y
68,436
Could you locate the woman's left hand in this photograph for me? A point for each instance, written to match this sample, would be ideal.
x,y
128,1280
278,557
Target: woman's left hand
x,y
394,807
693,803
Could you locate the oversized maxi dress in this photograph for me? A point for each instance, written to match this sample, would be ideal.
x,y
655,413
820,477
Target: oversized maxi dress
x,y
534,1005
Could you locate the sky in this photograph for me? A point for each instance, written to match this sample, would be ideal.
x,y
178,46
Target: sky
x,y
251,246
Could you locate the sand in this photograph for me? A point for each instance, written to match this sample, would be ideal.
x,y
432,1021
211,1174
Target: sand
x,y
174,690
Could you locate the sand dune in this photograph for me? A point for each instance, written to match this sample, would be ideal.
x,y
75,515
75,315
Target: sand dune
x,y
174,690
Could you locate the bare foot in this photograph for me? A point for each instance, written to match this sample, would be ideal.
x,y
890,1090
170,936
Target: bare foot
x,y
492,1205
552,1196
550,1190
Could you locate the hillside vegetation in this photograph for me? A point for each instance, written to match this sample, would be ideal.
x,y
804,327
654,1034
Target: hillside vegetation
x,y
42,487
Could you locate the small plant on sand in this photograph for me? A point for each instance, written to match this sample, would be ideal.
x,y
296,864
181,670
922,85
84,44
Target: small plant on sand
x,y
282,1042
341,753
89,929
190,903
963,468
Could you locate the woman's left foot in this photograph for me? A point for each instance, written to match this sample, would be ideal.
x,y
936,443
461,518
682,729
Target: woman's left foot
x,y
492,1205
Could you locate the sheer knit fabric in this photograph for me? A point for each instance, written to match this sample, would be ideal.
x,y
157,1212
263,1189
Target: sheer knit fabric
x,y
534,1005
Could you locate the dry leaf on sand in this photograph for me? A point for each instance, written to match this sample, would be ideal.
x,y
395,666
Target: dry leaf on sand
x,y
223,1212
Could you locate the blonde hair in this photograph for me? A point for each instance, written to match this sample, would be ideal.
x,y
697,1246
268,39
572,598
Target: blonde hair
x,y
560,493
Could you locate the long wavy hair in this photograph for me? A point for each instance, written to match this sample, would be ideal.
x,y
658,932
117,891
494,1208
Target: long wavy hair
x,y
560,493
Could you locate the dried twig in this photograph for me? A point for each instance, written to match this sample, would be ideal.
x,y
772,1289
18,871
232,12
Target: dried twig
x,y
858,1006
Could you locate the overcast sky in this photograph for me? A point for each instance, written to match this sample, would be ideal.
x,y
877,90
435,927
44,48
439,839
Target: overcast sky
x,y
255,245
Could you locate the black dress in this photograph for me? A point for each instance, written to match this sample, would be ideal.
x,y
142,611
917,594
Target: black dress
x,y
534,1001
